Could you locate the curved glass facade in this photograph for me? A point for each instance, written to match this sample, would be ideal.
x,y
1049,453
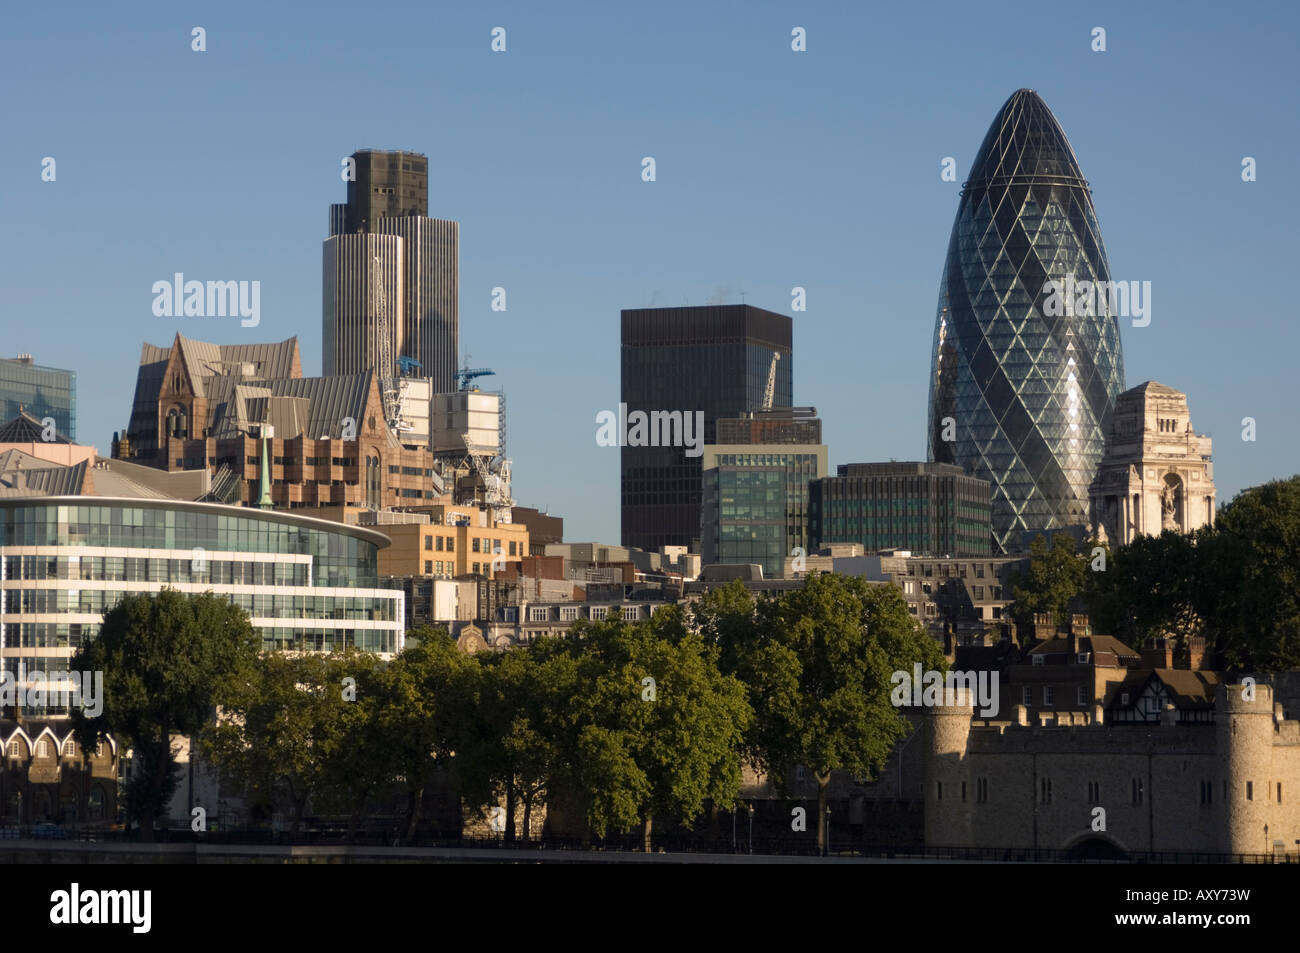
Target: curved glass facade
x,y
1022,388
307,585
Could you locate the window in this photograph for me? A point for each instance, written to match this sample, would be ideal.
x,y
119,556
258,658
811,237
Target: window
x,y
512,547
476,544
963,792
428,566
1049,694
537,613
981,790
428,542
1279,792
1094,792
938,790
1045,790
1207,793
979,592
43,749
1026,696
1250,790
69,748
451,544
1081,695
15,749
439,544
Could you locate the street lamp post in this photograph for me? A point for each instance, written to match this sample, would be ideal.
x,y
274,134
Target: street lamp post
x,y
751,827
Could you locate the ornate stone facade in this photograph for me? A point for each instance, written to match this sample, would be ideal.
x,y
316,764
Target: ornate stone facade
x,y
1156,473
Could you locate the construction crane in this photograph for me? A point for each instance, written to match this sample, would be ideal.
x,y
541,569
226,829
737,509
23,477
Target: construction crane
x,y
769,392
390,391
467,373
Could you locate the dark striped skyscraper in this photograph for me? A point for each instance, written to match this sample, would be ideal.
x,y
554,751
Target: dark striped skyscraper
x,y
1022,389
384,228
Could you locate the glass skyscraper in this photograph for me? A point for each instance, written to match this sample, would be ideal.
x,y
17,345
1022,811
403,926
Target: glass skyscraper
x,y
1022,388
40,391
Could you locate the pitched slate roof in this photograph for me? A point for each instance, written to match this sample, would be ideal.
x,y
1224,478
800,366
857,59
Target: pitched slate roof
x,y
208,364
21,474
314,406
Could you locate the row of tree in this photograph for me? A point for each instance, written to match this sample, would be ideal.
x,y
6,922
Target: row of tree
x,y
1236,584
629,721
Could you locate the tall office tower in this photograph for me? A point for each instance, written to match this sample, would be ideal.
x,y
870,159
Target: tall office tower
x,y
714,359
387,185
350,341
1022,389
389,198
40,391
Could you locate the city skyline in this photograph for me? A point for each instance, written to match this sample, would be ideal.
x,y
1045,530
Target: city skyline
x,y
775,161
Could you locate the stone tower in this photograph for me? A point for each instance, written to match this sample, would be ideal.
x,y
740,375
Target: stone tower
x,y
947,814
1245,751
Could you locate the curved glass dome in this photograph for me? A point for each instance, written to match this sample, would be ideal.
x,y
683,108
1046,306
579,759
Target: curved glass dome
x,y
1030,392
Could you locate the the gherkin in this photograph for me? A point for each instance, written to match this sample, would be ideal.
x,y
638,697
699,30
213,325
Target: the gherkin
x,y
1020,395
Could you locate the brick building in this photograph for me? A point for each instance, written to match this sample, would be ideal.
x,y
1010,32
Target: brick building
x,y
246,414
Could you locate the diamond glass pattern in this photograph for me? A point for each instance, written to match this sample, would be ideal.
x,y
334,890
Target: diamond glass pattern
x,y
1031,395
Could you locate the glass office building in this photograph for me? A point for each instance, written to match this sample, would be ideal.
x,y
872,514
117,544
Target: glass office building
x,y
930,508
712,359
1022,389
40,391
755,506
307,584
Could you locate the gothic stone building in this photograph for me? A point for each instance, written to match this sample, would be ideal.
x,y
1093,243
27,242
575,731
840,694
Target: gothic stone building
x,y
246,413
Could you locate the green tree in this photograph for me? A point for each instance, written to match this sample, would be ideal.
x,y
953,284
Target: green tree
x,y
169,660
291,737
507,744
1252,577
424,695
1150,588
818,663
658,728
1053,583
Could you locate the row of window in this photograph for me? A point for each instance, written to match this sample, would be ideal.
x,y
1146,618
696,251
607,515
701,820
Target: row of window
x,y
260,604
198,568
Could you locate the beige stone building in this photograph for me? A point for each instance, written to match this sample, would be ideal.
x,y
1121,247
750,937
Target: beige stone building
x,y
1231,786
1156,472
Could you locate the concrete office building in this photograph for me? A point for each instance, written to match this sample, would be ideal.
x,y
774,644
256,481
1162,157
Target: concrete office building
x,y
40,391
935,509
713,359
386,217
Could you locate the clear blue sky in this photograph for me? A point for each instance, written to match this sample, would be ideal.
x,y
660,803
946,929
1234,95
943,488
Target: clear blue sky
x,y
775,169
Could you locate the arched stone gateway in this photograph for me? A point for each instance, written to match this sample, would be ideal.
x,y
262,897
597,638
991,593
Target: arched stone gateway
x,y
1096,846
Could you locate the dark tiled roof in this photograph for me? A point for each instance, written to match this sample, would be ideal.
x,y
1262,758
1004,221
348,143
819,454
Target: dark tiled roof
x,y
1096,644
